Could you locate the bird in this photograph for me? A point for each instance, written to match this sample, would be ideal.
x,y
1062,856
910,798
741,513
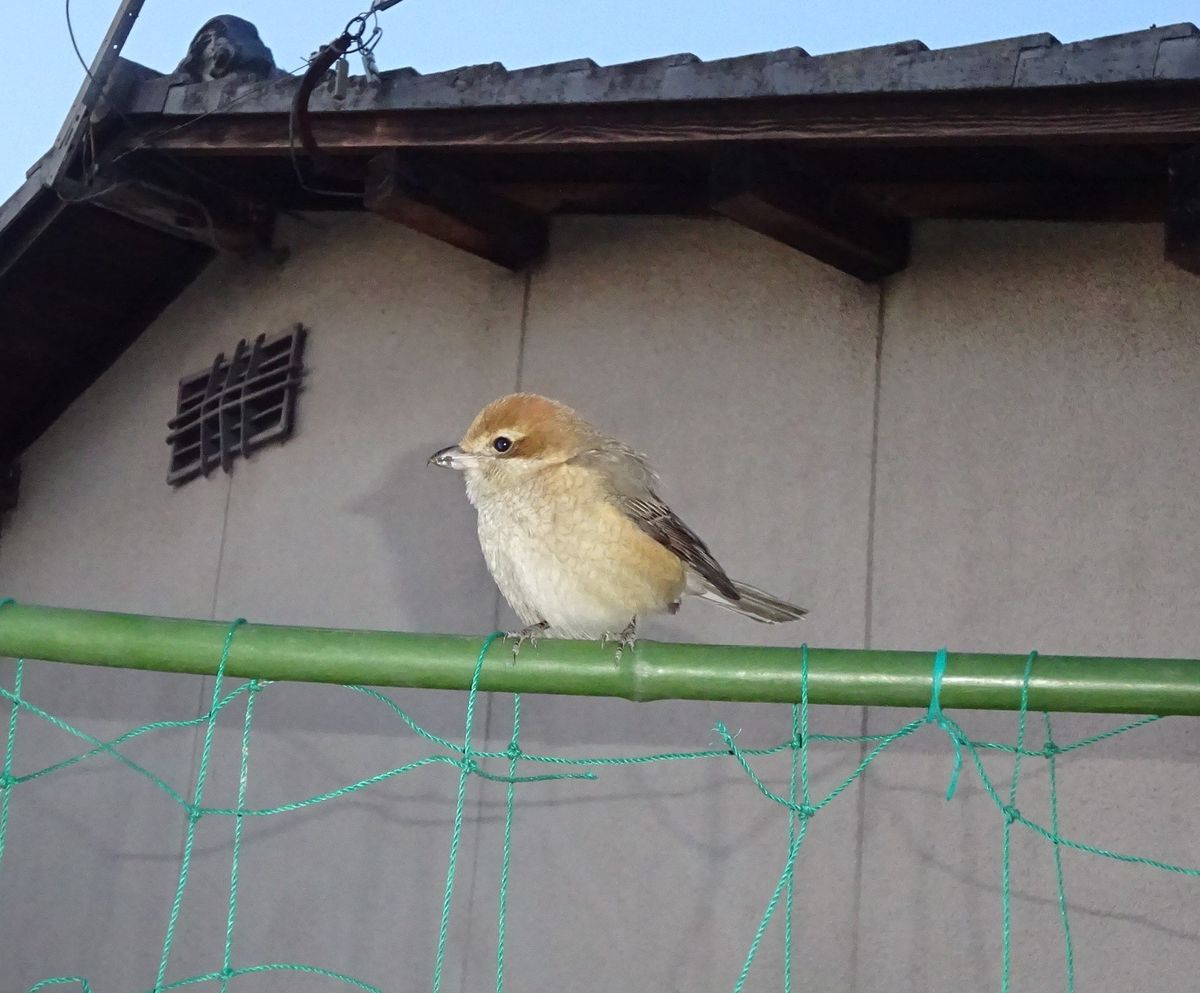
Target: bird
x,y
574,532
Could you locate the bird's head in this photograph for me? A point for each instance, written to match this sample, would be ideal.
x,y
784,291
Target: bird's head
x,y
516,435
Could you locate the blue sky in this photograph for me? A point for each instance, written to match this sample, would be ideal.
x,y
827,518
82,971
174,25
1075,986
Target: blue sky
x,y
43,76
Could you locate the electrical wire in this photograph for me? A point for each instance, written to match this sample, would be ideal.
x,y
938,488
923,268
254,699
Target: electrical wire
x,y
75,45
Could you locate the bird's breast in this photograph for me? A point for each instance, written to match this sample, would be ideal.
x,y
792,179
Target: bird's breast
x,y
561,552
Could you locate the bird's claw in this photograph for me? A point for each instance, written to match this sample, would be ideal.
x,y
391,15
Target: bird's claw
x,y
625,638
530,633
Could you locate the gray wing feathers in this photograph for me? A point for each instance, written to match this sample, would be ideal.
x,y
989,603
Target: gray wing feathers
x,y
632,484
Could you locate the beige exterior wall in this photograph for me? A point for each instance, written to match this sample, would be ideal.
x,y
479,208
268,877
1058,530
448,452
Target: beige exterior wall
x,y
1031,438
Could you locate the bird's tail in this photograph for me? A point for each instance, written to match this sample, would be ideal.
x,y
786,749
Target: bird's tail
x,y
757,605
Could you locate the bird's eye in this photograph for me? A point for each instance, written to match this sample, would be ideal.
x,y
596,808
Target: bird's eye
x,y
502,444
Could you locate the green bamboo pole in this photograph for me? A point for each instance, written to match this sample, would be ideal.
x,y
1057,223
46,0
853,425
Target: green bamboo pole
x,y
650,671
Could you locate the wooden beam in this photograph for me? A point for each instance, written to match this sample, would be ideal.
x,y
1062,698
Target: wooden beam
x,y
830,223
1114,114
201,213
456,210
1183,210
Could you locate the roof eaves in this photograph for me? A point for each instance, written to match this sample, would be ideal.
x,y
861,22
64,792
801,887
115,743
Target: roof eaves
x,y
25,215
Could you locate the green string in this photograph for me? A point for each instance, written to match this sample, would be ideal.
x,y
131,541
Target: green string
x,y
194,814
1046,753
798,742
797,775
1010,815
105,747
1051,762
467,766
243,770
937,716
801,810
6,777
7,782
798,803
514,749
84,987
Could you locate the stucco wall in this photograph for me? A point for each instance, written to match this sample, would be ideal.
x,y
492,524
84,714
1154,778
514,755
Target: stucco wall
x,y
1029,433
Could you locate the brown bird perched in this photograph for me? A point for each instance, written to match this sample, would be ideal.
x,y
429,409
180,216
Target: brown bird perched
x,y
573,532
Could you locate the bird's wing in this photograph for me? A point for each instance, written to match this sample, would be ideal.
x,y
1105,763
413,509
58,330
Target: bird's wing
x,y
630,482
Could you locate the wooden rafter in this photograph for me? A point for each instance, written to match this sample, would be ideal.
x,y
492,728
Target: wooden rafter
x,y
225,222
811,214
456,210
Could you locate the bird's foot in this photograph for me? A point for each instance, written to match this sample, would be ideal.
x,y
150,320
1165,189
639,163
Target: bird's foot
x,y
530,633
625,638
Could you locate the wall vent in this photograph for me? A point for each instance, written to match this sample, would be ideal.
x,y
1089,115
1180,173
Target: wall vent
x,y
235,406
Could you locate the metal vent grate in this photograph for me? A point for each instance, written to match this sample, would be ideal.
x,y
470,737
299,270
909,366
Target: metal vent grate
x,y
236,406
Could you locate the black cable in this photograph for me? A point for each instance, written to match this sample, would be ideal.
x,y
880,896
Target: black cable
x,y
75,44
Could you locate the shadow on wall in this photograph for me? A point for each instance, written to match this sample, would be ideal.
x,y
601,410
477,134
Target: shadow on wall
x,y
428,576
427,527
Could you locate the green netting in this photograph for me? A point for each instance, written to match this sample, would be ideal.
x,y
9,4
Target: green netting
x,y
798,806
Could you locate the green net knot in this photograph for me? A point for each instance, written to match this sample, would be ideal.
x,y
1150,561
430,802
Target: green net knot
x,y
1011,814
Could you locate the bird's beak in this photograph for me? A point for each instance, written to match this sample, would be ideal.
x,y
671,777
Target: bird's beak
x,y
453,458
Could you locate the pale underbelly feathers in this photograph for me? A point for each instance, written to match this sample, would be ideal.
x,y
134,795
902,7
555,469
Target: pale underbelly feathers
x,y
576,563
